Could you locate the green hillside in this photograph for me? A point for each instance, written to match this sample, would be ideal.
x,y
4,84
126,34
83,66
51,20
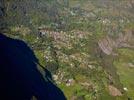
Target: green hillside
x,y
87,45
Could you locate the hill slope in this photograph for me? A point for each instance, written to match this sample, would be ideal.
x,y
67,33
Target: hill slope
x,y
87,45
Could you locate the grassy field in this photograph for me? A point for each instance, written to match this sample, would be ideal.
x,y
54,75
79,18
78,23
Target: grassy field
x,y
125,71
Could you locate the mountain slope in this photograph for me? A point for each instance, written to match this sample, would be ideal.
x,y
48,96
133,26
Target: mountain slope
x,y
87,45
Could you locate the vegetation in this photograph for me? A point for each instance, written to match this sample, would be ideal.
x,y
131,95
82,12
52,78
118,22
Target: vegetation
x,y
67,44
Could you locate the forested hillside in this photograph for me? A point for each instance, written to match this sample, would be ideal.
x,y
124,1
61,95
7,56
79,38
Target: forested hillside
x,y
87,45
